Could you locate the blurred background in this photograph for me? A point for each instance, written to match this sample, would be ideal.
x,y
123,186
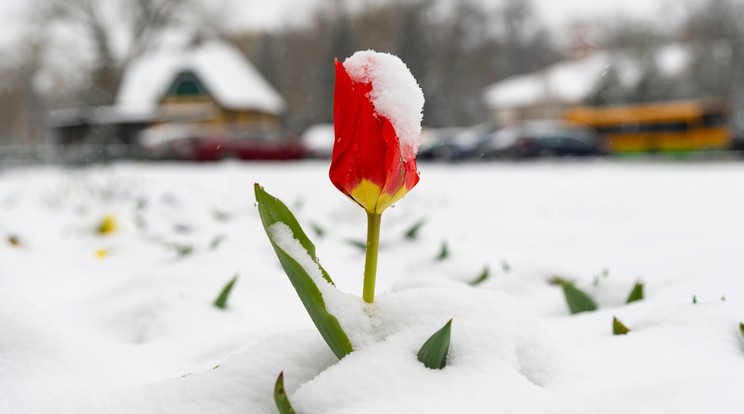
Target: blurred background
x,y
86,81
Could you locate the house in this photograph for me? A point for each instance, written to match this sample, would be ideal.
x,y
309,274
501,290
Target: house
x,y
545,94
204,86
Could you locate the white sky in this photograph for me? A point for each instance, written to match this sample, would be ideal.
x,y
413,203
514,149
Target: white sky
x,y
556,13
275,13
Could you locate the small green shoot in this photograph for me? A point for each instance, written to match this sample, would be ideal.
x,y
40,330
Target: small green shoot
x,y
482,277
221,216
433,354
280,396
221,302
618,328
298,204
505,267
577,300
216,241
319,231
694,299
182,249
598,277
635,294
139,221
412,232
142,203
357,243
741,329
443,252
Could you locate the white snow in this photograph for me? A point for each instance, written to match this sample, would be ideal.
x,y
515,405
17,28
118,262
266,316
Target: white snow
x,y
227,74
395,94
136,331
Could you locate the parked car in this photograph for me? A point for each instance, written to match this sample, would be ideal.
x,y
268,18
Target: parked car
x,y
451,143
541,139
737,139
249,145
199,144
168,141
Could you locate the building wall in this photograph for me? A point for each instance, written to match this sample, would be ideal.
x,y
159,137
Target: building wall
x,y
206,112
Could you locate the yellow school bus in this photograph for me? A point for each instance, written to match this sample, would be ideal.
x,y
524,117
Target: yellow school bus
x,y
659,127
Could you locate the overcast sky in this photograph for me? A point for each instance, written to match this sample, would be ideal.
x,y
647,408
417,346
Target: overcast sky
x,y
555,13
275,13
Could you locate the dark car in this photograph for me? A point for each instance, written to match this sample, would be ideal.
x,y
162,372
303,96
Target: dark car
x,y
737,139
257,145
542,139
452,143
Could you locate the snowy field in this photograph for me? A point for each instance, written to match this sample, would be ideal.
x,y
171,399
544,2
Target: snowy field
x,y
124,322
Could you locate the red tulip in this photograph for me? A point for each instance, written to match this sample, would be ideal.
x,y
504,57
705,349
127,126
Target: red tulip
x,y
377,122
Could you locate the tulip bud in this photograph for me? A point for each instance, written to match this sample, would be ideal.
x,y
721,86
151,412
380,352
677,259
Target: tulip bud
x,y
377,122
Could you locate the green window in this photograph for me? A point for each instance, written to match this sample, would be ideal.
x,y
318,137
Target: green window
x,y
187,85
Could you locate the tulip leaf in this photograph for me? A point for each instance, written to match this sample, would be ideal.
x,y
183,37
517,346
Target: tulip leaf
x,y
741,328
482,277
443,252
412,233
618,328
577,300
636,293
221,301
280,396
433,353
272,210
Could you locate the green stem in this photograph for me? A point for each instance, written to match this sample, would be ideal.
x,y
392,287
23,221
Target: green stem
x,y
370,262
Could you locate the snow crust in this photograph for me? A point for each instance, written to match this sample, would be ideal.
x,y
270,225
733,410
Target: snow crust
x,y
136,331
395,94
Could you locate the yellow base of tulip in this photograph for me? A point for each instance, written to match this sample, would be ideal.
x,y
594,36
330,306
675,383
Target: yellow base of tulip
x,y
370,196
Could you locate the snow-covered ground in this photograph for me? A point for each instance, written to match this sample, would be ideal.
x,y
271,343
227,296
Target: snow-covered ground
x,y
124,322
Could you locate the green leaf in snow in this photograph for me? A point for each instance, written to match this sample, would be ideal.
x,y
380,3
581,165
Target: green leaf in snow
x,y
433,354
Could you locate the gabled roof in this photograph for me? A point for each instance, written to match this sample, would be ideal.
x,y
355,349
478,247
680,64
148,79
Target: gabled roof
x,y
572,81
226,73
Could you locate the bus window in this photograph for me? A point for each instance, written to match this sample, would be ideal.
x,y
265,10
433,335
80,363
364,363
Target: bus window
x,y
714,119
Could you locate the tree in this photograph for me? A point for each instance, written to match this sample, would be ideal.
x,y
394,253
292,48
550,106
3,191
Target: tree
x,y
22,115
450,47
114,31
713,29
